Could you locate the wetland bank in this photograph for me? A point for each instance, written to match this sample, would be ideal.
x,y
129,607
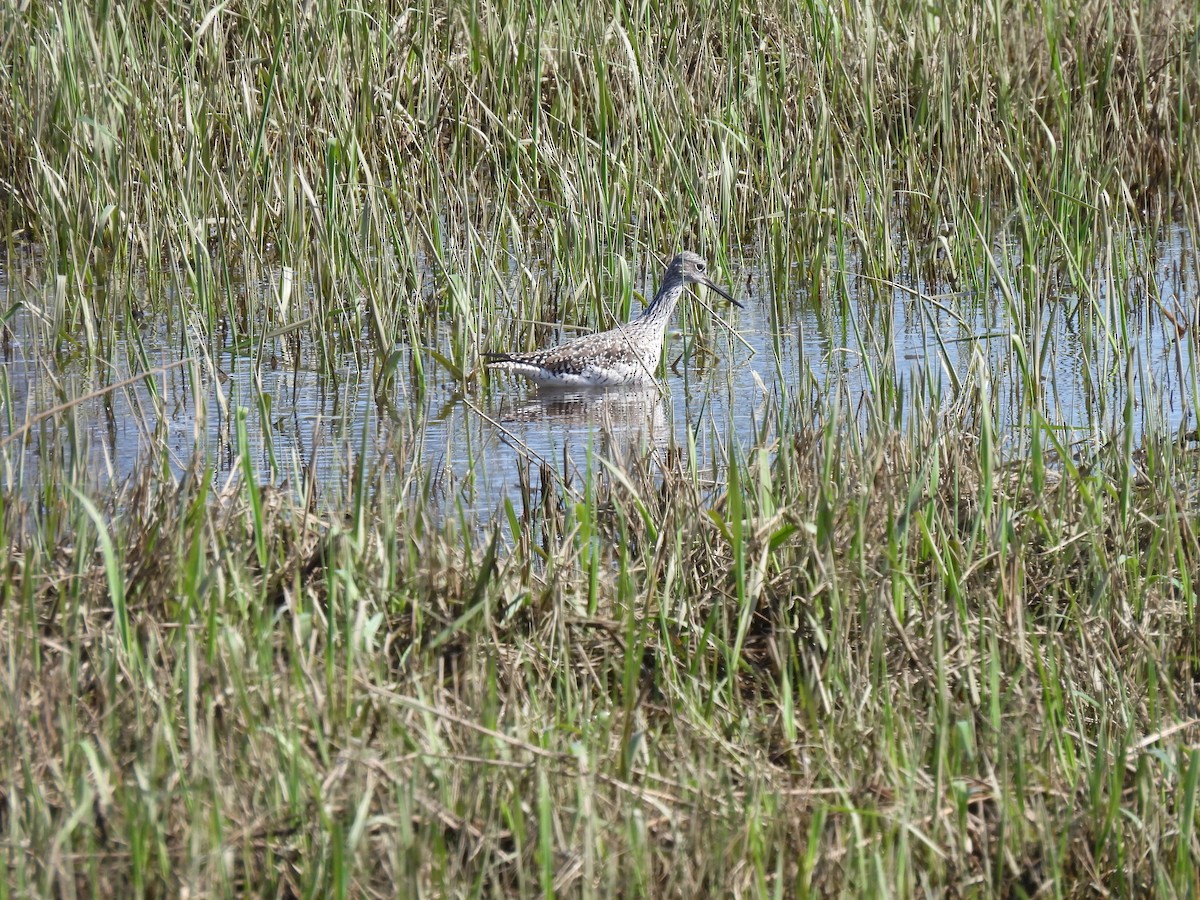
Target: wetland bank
x,y
890,589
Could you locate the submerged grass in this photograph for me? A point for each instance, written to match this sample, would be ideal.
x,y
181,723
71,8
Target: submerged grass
x,y
913,640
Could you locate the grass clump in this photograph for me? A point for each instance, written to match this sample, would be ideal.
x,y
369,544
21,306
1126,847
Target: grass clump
x,y
851,664
135,135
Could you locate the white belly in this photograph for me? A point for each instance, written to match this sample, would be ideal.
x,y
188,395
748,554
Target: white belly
x,y
594,376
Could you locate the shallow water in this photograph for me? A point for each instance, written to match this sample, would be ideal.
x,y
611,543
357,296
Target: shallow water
x,y
784,348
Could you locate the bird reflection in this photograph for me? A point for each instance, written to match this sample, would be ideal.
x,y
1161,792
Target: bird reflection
x,y
628,420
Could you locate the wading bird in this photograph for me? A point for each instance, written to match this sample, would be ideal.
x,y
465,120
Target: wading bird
x,y
627,354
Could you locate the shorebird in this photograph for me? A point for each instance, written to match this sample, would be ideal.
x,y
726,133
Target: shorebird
x,y
627,354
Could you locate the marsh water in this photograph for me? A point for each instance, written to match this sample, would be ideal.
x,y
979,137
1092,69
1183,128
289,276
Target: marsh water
x,y
1097,365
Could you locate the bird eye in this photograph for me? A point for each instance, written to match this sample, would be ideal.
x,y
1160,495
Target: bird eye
x,y
699,267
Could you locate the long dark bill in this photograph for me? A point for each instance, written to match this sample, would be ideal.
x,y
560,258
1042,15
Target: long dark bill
x,y
712,287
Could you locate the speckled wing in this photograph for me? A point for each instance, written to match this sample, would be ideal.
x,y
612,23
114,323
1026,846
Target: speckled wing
x,y
570,358
608,357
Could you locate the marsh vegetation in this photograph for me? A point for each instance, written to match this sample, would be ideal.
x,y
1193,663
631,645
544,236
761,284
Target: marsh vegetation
x,y
892,591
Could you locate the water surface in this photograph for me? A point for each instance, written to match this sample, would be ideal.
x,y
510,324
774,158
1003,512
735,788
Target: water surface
x,y
1093,364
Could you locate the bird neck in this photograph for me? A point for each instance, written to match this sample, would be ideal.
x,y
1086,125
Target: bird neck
x,y
663,304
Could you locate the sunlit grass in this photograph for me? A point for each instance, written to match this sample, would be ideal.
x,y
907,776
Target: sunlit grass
x,y
852,652
927,628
